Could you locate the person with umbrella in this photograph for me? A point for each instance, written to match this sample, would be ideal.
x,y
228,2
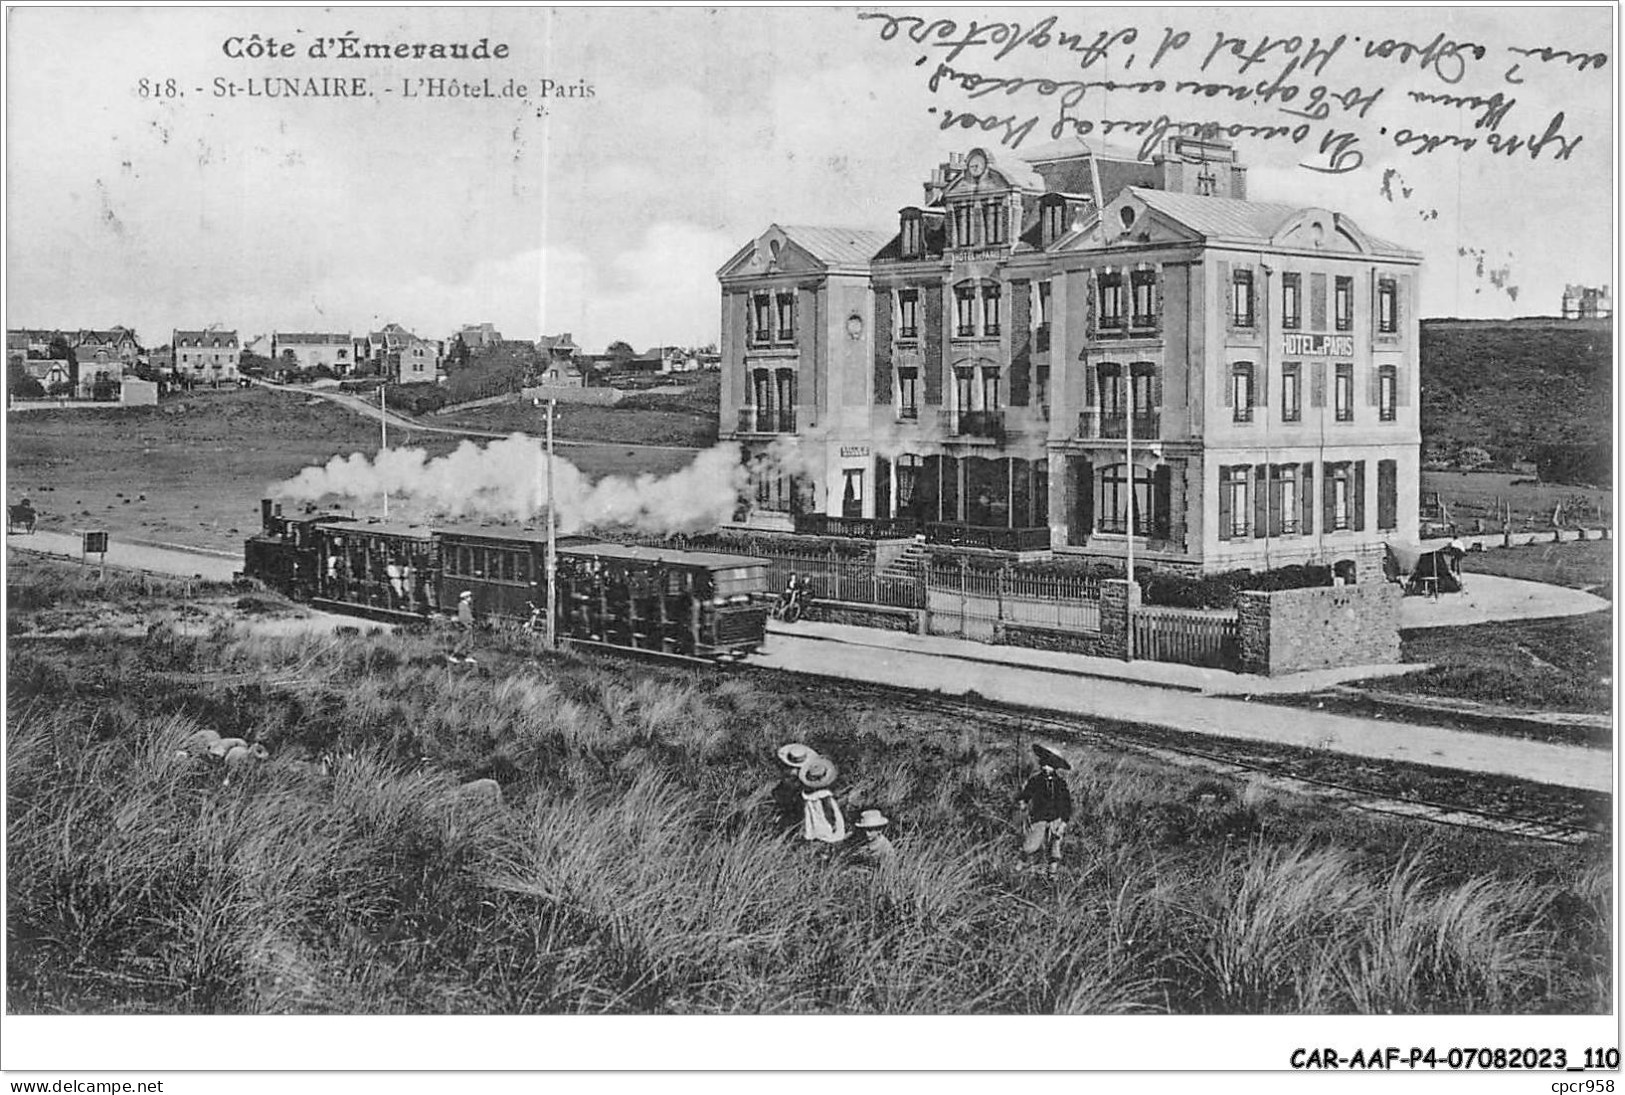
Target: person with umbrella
x,y
1046,802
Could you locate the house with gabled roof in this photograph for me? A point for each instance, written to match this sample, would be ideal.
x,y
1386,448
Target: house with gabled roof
x,y
209,356
401,355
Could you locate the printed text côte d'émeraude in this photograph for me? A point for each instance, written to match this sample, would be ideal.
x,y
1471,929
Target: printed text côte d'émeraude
x,y
351,47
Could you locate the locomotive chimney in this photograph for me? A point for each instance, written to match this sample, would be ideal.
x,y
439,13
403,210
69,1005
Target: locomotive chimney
x,y
267,511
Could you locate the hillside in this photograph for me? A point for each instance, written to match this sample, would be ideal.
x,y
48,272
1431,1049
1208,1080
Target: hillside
x,y
1511,386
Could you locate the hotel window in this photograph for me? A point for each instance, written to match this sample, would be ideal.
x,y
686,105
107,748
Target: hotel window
x,y
1387,392
1291,392
1291,301
990,390
1111,390
761,322
1284,509
1141,382
1387,306
1241,298
913,237
964,218
990,309
965,311
1234,503
908,393
1043,303
1115,496
908,308
1344,304
1041,387
1143,283
964,390
1343,394
1241,391
787,316
1111,301
1339,497
994,219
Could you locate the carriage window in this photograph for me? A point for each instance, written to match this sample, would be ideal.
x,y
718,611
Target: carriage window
x,y
507,566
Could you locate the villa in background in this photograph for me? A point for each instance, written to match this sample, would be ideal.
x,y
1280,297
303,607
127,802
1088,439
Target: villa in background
x,y
1584,302
1077,353
400,355
206,357
310,350
478,336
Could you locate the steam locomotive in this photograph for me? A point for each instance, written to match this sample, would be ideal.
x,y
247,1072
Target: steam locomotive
x,y
680,603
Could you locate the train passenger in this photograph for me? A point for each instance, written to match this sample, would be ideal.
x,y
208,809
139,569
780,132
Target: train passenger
x,y
1047,803
464,650
397,581
822,820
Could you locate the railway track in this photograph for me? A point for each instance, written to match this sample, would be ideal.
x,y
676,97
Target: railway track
x,y
1277,773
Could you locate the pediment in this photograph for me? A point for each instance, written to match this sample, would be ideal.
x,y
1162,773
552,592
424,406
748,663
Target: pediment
x,y
1321,230
773,252
1126,221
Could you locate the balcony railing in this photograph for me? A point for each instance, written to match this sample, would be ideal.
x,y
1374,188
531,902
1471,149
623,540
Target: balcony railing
x,y
753,420
988,425
857,528
1113,427
988,538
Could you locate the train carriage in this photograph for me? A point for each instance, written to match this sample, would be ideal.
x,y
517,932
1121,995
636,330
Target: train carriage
x,y
699,604
694,604
505,569
375,567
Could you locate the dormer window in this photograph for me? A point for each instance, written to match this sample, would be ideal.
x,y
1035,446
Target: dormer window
x,y
964,220
1055,221
913,235
995,220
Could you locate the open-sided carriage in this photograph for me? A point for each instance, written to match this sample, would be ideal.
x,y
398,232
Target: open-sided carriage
x,y
375,568
698,604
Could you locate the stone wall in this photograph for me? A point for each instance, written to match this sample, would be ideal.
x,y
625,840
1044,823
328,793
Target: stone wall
x,y
1319,628
1034,637
858,615
1118,597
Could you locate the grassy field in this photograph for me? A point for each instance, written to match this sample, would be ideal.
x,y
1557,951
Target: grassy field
x,y
192,471
1577,564
636,865
687,417
1474,495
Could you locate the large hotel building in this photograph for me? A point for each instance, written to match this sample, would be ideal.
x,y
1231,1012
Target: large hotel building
x,y
1060,354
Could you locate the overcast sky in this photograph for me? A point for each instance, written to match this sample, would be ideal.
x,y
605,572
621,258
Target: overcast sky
x,y
609,216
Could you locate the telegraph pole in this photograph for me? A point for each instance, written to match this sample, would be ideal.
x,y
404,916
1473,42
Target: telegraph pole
x,y
383,443
552,539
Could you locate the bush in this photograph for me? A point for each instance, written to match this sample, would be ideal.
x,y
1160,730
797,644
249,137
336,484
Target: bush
x,y
416,398
28,388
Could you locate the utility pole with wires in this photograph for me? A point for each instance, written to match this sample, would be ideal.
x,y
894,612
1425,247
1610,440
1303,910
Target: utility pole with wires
x,y
552,538
383,442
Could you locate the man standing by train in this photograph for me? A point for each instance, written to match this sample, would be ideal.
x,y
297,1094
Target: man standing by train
x,y
464,650
1047,803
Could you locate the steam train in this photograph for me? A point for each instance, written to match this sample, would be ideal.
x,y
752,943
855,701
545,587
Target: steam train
x,y
680,603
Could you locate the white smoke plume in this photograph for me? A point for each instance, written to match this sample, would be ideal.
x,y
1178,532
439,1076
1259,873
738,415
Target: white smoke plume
x,y
506,481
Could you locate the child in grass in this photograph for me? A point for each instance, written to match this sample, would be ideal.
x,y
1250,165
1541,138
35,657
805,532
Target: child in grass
x,y
1047,803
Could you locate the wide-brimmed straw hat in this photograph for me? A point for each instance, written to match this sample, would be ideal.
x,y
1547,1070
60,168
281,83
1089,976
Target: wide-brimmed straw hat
x,y
465,595
818,773
871,819
1050,758
797,754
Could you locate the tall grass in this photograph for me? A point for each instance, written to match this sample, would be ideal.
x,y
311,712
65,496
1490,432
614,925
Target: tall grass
x,y
634,864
